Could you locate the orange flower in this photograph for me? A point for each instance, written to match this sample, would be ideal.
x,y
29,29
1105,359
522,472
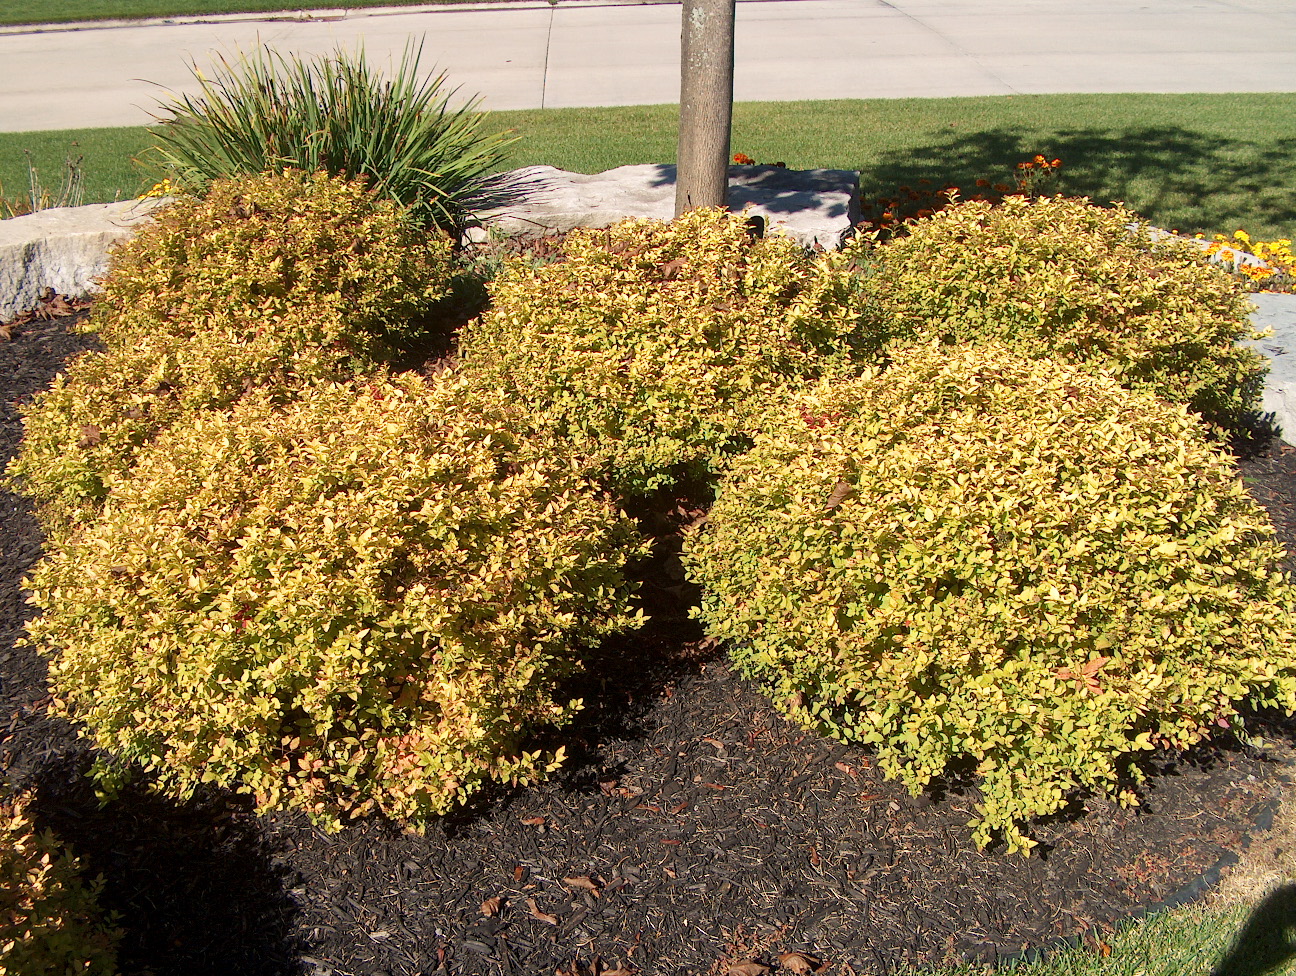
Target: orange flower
x,y
1056,163
982,182
742,159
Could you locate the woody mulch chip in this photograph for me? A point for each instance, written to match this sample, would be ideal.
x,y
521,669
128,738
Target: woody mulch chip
x,y
692,831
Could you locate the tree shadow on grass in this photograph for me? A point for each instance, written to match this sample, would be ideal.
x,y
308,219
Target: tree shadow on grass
x,y
1176,178
1267,940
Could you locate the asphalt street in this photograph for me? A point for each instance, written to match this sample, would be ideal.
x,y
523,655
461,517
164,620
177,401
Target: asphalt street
x,y
594,52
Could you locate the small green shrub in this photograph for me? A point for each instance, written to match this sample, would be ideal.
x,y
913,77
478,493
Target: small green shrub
x,y
1060,277
362,599
267,282
978,556
648,344
50,921
337,115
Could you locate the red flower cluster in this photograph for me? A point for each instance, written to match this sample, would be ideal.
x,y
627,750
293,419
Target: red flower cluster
x,y
742,159
884,214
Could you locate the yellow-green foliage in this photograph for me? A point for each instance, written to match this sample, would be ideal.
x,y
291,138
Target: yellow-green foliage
x,y
646,345
363,599
1061,277
50,922
265,246
979,555
268,281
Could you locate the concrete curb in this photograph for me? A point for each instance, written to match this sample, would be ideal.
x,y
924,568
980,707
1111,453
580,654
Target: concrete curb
x,y
333,14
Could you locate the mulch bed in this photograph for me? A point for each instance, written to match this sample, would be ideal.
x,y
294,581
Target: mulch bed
x,y
691,828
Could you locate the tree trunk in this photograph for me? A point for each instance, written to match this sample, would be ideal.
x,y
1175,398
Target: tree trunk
x,y
706,104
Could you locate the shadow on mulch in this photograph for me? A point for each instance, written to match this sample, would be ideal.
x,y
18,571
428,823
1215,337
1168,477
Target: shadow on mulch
x,y
691,824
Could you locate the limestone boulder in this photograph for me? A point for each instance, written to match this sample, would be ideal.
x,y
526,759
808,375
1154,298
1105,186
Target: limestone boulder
x,y
63,248
1276,313
816,206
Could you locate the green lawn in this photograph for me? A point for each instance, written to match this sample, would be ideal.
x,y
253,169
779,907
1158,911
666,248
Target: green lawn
x,y
1192,941
1187,162
64,11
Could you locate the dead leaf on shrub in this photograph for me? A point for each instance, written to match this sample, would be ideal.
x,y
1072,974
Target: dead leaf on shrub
x,y
538,914
90,436
1085,676
840,493
671,269
491,906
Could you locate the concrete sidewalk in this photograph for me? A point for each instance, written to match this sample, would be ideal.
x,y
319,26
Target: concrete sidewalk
x,y
592,52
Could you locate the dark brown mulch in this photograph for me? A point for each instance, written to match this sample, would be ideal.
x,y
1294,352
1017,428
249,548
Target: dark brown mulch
x,y
691,825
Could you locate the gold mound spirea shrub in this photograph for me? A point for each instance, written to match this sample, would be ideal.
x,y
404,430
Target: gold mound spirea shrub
x,y
647,344
268,244
364,599
269,280
50,920
1060,277
978,556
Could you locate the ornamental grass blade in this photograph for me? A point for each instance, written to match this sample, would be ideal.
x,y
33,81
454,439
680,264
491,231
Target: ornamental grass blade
x,y
339,115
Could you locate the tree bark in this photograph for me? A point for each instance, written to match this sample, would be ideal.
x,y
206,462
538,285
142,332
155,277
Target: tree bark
x,y
706,104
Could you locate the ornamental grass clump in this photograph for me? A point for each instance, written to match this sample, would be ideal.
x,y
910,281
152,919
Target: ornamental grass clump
x,y
50,920
649,342
1059,277
363,600
979,558
338,115
267,282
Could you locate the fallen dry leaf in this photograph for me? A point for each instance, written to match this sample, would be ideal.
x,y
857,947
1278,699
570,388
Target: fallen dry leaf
x,y
538,914
745,967
6,331
534,821
491,906
582,881
799,963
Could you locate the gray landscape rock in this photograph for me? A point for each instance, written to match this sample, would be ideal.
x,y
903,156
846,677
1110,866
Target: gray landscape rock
x,y
1277,312
64,248
814,206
